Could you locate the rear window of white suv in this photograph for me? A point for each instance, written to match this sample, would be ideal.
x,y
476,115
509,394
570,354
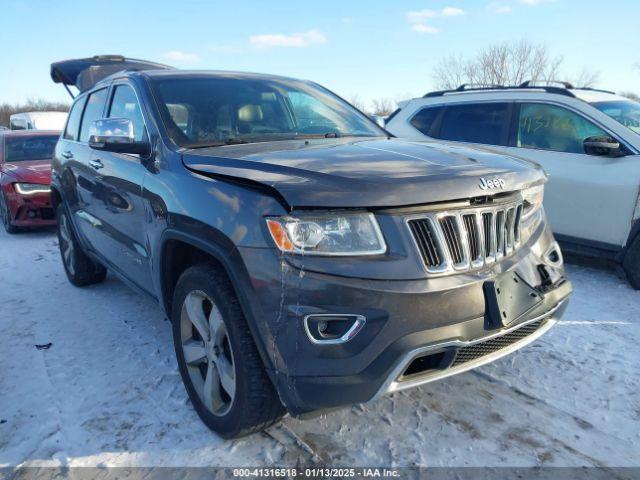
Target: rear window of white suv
x,y
483,123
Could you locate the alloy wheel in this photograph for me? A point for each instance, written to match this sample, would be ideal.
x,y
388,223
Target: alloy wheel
x,y
66,244
207,352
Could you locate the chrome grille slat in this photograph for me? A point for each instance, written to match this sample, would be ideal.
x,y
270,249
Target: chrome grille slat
x,y
423,230
500,221
509,230
468,238
517,225
451,235
471,229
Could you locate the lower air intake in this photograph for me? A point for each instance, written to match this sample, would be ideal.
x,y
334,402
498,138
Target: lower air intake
x,y
479,350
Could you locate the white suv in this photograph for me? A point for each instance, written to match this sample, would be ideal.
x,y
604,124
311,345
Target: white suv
x,y
587,140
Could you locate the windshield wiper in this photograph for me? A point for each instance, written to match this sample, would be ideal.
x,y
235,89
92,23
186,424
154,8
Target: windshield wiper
x,y
229,141
235,141
273,138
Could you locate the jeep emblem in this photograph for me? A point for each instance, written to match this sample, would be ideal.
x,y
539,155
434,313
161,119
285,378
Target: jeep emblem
x,y
492,183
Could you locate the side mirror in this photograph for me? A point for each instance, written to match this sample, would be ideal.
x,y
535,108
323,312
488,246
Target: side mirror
x,y
379,120
116,135
603,146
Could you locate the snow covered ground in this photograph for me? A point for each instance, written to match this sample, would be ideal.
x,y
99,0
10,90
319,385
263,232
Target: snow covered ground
x,y
108,392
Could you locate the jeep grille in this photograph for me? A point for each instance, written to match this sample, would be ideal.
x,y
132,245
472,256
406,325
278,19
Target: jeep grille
x,y
466,239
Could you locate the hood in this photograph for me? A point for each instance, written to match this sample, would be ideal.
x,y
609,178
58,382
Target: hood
x,y
36,171
343,173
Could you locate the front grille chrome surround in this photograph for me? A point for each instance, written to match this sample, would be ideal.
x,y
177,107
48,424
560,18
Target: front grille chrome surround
x,y
466,239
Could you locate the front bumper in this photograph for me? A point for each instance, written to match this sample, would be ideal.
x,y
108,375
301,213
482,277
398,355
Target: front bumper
x,y
449,350
31,210
406,320
457,356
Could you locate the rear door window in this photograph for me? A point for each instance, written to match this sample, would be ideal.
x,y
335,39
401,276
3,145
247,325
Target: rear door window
x,y
425,120
484,123
73,121
550,127
92,111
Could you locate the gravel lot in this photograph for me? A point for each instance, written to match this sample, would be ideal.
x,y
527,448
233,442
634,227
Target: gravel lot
x,y
108,393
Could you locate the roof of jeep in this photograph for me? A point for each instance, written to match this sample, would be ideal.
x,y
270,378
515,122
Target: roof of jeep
x,y
210,73
192,74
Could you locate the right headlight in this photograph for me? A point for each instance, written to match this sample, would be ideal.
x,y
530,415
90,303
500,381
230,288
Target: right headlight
x,y
533,197
328,234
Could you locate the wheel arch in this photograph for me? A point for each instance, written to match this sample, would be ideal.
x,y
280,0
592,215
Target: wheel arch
x,y
56,198
180,250
635,230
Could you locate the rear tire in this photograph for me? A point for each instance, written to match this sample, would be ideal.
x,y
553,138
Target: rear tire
x,y
631,263
218,360
5,215
80,269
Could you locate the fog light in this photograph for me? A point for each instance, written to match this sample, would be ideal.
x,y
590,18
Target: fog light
x,y
553,255
322,326
330,329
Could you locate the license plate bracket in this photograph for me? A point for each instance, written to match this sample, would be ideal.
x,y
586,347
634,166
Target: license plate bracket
x,y
508,297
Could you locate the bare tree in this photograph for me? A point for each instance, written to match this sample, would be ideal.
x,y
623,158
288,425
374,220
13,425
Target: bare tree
x,y
505,64
586,78
357,102
383,106
451,72
631,96
32,105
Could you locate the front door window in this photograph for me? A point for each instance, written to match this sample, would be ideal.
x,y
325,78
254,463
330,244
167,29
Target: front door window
x,y
550,127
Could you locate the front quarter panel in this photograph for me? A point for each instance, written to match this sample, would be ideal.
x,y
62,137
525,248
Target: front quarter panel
x,y
214,216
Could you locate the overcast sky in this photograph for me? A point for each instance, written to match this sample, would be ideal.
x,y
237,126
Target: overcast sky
x,y
367,48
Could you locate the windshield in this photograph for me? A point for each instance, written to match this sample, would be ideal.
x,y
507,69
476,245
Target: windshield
x,y
626,112
20,149
205,111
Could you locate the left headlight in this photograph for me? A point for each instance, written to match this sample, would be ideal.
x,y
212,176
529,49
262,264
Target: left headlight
x,y
31,188
330,234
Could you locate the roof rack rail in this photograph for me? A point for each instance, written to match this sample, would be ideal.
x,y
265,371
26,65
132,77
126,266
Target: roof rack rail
x,y
544,83
526,85
466,87
591,89
475,86
567,85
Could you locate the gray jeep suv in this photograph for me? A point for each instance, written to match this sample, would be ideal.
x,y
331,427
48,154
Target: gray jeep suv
x,y
307,259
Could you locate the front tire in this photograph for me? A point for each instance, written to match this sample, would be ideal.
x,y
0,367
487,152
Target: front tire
x,y
5,216
217,357
80,269
631,263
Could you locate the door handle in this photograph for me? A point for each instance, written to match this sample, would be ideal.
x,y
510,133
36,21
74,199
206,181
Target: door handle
x,y
67,154
96,163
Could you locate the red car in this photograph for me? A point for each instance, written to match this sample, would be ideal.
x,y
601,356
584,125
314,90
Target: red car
x,y
25,177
